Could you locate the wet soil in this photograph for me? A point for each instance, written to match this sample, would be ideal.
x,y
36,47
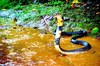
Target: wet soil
x,y
29,47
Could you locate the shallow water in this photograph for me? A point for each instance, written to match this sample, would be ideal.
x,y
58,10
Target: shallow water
x,y
28,47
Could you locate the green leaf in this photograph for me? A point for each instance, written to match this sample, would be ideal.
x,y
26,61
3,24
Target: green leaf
x,y
94,30
80,25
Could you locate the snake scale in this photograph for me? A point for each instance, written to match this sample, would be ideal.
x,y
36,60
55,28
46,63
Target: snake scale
x,y
79,34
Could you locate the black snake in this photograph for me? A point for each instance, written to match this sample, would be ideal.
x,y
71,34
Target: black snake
x,y
78,34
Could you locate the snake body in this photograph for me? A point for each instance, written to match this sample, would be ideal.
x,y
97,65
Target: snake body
x,y
78,34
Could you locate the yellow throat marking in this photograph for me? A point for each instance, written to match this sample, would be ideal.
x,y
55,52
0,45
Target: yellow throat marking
x,y
59,21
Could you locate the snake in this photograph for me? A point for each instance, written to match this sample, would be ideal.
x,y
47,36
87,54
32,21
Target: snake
x,y
78,34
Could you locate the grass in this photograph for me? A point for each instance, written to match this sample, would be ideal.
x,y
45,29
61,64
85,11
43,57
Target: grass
x,y
77,18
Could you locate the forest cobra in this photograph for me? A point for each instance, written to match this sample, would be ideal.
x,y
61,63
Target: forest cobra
x,y
79,34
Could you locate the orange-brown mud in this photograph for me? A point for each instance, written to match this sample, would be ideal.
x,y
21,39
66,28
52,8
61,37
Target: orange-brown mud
x,y
28,47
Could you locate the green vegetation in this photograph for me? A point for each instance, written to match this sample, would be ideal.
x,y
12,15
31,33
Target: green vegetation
x,y
79,18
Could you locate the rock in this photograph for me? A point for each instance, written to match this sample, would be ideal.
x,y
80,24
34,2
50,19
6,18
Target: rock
x,y
98,37
3,27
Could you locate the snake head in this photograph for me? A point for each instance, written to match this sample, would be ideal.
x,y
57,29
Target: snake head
x,y
59,19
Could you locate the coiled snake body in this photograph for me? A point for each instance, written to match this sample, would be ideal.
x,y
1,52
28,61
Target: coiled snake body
x,y
79,34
